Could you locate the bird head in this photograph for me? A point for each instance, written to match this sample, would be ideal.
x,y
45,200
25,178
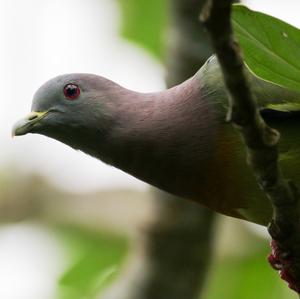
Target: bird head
x,y
72,108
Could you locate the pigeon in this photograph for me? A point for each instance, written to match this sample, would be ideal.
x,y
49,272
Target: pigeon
x,y
177,140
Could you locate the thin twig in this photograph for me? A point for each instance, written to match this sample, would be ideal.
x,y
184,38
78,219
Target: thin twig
x,y
261,140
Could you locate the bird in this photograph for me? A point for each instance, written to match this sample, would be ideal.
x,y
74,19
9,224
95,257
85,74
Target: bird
x,y
177,140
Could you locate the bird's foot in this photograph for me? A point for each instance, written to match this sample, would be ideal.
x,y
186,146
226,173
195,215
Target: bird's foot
x,y
282,262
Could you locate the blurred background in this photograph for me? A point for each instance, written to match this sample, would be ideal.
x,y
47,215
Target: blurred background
x,y
67,220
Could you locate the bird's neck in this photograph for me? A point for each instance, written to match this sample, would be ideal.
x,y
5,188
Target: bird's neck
x,y
155,135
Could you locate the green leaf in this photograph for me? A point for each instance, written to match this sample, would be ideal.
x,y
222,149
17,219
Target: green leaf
x,y
144,23
271,47
95,261
246,277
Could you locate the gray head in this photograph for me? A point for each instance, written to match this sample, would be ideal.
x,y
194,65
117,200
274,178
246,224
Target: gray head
x,y
74,109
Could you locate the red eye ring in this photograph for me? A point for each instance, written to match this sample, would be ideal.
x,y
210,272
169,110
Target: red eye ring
x,y
71,91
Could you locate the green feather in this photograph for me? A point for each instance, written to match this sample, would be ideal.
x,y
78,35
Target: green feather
x,y
285,107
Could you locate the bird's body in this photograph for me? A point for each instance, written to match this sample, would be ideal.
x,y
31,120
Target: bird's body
x,y
177,140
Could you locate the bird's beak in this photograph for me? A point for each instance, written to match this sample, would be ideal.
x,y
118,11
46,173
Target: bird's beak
x,y
26,124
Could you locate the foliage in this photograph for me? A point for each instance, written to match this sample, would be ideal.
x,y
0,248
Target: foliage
x,y
95,259
144,23
246,277
270,46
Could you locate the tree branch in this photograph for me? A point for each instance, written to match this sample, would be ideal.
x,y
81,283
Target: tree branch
x,y
261,143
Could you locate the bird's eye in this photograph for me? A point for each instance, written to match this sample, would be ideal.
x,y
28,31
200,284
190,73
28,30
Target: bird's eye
x,y
71,91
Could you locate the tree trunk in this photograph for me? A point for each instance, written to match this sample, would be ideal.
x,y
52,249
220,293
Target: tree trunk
x,y
170,255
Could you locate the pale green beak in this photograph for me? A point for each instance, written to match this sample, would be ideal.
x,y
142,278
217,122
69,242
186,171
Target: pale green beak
x,y
26,124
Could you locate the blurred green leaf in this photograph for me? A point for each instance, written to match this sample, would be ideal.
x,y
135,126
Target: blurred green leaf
x,y
270,46
246,277
144,22
95,261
